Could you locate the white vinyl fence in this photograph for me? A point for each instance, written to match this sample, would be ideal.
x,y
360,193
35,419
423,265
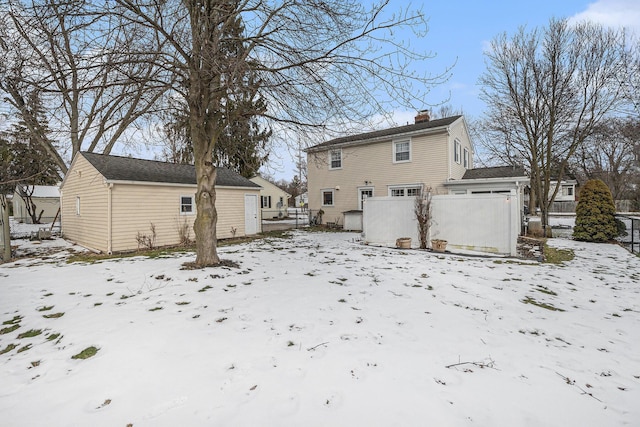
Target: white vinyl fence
x,y
478,222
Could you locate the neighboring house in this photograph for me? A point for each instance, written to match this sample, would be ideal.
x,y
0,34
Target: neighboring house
x,y
273,199
302,200
46,199
567,191
398,162
566,198
107,202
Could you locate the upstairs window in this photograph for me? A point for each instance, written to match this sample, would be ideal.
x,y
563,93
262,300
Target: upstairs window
x,y
402,151
567,190
465,158
457,154
335,159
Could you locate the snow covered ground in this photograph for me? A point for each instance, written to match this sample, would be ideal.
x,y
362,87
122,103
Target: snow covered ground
x,y
319,330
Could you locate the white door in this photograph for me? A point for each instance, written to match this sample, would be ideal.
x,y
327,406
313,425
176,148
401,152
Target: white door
x,y
363,193
250,214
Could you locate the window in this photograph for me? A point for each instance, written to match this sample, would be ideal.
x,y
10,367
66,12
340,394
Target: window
x,y
327,197
402,151
335,160
413,192
265,202
363,193
567,190
78,205
405,191
466,158
456,151
186,205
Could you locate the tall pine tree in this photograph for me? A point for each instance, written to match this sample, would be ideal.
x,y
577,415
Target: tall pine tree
x,y
243,146
25,162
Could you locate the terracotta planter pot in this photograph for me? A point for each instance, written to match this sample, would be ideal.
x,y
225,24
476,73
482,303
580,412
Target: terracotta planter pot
x,y
403,243
438,245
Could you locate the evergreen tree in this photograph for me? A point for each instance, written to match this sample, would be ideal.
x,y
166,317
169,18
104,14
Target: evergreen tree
x,y
24,161
595,213
243,145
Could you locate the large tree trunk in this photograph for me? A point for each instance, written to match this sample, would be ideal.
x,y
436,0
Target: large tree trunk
x,y
207,216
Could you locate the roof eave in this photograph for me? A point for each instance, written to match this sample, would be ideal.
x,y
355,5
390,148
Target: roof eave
x,y
467,181
319,148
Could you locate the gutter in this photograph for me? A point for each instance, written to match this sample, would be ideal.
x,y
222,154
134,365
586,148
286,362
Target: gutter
x,y
174,184
516,179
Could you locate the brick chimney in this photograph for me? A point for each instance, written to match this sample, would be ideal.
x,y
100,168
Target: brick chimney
x,y
423,116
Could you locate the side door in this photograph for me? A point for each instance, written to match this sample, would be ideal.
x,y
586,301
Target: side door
x,y
251,225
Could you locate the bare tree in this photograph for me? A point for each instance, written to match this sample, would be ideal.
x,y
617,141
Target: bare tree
x,y
94,75
629,74
546,90
609,154
422,210
314,63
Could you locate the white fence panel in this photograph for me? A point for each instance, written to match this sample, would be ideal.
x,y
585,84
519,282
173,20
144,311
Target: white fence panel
x,y
479,222
385,219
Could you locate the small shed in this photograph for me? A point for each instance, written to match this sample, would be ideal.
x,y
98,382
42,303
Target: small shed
x,y
108,202
353,220
46,199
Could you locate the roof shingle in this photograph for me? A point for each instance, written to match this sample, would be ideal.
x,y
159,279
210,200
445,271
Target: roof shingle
x,y
362,137
495,172
130,169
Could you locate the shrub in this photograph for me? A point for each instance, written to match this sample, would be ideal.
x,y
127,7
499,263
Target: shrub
x,y
147,241
595,213
422,210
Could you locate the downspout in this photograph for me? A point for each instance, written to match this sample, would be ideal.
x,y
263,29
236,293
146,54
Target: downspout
x,y
449,151
109,221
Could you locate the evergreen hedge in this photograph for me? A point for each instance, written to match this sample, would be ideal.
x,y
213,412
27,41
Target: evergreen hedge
x,y
595,213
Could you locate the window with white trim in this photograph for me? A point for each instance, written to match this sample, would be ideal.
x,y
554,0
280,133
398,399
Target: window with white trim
x,y
265,202
405,190
397,192
402,151
567,190
413,192
335,159
327,197
78,205
186,205
465,158
456,151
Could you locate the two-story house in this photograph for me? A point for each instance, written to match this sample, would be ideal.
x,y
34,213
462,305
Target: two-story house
x,y
399,162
